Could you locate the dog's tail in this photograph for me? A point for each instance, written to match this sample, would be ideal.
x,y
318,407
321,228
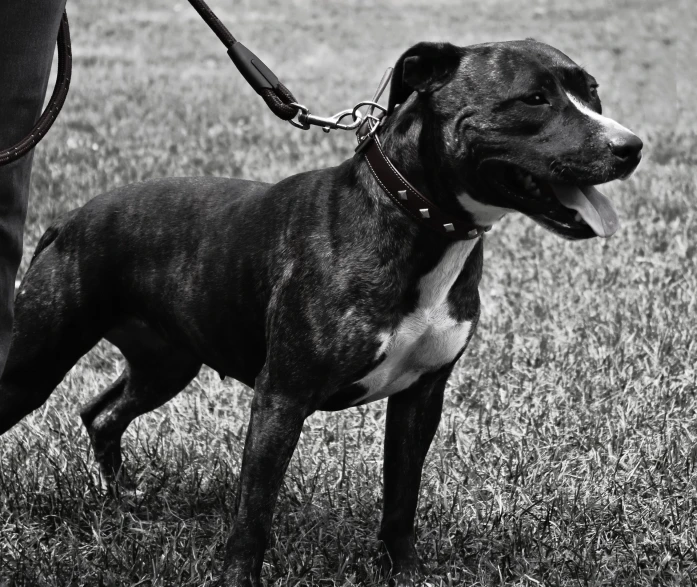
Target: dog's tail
x,y
52,233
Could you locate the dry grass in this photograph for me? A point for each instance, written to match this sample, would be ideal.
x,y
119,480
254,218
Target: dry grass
x,y
567,454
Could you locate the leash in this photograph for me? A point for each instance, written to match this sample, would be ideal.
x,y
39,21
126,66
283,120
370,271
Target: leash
x,y
60,91
283,104
278,98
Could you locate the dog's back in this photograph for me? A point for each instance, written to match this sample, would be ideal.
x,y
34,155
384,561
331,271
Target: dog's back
x,y
176,198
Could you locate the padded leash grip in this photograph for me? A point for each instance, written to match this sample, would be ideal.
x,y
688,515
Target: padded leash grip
x,y
264,82
253,69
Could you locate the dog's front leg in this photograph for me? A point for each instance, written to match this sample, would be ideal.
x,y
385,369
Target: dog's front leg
x,y
274,429
412,419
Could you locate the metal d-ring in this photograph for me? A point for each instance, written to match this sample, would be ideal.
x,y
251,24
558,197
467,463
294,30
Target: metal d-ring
x,y
372,105
370,119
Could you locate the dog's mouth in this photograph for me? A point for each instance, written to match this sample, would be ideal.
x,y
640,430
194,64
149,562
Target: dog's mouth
x,y
577,211
591,206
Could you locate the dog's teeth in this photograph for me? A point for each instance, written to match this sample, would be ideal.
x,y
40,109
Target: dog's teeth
x,y
578,218
527,182
536,192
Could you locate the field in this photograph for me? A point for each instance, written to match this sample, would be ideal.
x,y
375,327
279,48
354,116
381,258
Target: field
x,y
567,452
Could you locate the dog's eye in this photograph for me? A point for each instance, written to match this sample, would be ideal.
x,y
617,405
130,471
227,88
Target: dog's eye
x,y
536,99
594,91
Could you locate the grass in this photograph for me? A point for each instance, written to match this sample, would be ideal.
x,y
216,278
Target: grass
x,y
567,453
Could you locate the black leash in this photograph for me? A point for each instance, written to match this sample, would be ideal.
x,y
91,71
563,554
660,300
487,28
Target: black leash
x,y
60,91
278,98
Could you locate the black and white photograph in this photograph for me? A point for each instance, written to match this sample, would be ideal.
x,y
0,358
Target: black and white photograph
x,y
348,294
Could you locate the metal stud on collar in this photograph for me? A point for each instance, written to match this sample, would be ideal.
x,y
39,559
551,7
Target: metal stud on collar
x,y
416,205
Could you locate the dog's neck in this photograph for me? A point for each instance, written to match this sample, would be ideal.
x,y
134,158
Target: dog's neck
x,y
411,142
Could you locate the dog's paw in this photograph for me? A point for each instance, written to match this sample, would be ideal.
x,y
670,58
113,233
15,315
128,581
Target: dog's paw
x,y
122,489
234,578
408,572
408,579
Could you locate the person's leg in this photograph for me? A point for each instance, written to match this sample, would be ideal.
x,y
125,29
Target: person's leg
x,y
28,31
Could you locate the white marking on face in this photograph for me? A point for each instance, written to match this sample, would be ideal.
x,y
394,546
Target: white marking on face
x,y
482,214
426,339
608,124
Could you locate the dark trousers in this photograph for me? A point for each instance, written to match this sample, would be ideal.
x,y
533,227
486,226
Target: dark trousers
x,y
28,31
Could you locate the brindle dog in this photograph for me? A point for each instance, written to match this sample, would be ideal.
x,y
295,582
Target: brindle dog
x,y
318,291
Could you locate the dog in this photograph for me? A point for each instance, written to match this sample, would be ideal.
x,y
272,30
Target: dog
x,y
322,291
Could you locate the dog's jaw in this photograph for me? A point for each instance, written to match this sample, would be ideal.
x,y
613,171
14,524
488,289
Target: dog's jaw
x,y
481,214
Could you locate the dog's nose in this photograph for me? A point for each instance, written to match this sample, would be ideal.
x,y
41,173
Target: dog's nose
x,y
626,146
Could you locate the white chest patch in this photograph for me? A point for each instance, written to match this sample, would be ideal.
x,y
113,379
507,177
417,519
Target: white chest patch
x,y
426,339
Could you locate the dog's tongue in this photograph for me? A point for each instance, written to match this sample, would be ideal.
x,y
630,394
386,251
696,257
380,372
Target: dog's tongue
x,y
594,207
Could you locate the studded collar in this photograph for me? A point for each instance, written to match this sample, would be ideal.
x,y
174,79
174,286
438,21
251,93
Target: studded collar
x,y
410,200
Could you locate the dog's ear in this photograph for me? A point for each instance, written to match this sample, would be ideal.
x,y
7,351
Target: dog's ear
x,y
423,68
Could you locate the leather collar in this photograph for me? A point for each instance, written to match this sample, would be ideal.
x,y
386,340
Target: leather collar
x,y
410,200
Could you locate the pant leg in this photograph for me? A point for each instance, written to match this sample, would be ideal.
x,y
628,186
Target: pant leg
x,y
28,31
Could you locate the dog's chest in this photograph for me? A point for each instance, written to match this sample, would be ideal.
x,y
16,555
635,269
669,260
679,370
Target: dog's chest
x,y
426,339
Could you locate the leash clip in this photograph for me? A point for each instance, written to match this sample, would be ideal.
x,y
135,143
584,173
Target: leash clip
x,y
360,122
306,119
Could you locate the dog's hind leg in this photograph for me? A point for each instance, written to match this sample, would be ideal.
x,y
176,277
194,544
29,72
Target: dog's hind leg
x,y
53,328
153,376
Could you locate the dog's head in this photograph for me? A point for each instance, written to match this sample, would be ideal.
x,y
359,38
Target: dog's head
x,y
516,126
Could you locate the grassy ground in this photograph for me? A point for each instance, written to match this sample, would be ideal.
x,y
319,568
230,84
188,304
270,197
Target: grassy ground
x,y
567,454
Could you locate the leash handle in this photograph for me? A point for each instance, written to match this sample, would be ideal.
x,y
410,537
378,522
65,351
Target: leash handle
x,y
278,98
60,92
